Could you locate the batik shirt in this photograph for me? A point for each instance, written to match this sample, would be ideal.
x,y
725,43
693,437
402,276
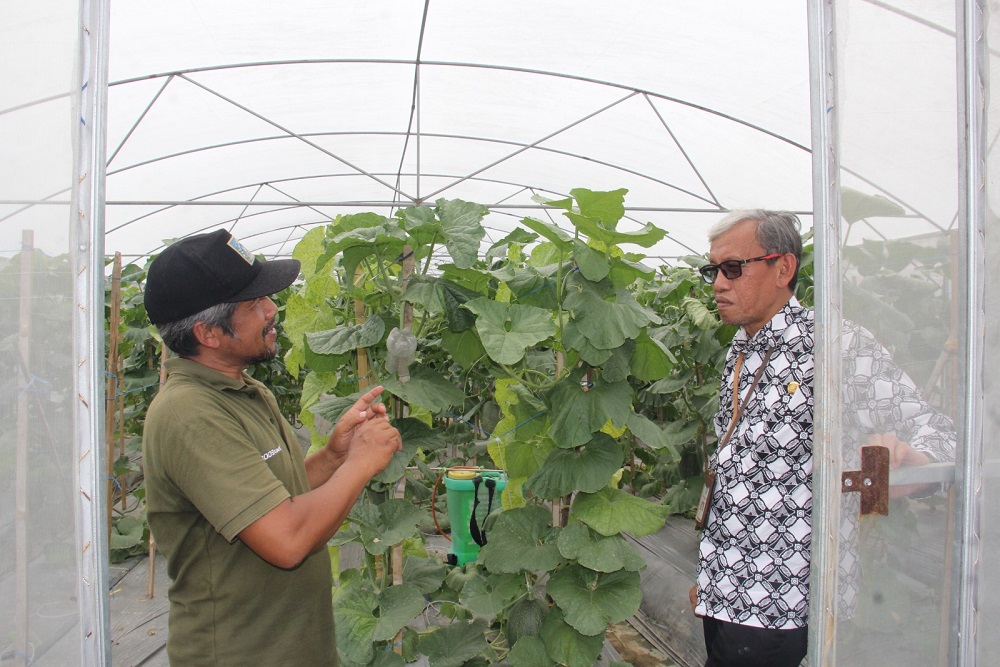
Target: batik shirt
x,y
754,553
878,397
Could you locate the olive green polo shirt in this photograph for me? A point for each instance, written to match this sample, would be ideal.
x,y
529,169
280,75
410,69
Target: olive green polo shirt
x,y
218,456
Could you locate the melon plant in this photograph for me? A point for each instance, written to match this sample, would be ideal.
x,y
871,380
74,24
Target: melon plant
x,y
529,359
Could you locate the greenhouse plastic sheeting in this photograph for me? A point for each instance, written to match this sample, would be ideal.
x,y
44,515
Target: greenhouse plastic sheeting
x,y
269,119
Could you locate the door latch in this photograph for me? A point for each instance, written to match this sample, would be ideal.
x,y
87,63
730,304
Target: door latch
x,y
872,481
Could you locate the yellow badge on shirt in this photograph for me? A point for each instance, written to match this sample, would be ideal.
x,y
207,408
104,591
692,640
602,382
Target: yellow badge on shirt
x,y
793,387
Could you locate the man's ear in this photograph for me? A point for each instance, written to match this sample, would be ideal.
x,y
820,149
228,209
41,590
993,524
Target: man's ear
x,y
787,266
208,336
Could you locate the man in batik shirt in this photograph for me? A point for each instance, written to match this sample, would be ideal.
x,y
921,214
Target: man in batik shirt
x,y
753,571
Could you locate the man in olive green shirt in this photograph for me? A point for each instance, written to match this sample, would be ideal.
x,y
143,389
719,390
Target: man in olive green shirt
x,y
240,514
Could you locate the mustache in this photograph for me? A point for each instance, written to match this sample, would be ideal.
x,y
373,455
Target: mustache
x,y
271,324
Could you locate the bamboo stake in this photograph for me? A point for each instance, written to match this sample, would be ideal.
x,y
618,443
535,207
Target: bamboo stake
x,y
359,318
21,474
111,383
120,376
151,575
397,549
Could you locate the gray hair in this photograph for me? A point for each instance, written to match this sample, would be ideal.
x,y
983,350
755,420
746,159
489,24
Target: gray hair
x,y
179,335
776,232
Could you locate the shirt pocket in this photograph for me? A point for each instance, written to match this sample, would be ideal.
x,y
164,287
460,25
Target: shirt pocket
x,y
784,422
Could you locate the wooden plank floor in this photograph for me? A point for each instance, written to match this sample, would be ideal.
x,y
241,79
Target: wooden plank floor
x,y
138,622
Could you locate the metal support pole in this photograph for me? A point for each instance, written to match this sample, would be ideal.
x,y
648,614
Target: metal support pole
x,y
827,455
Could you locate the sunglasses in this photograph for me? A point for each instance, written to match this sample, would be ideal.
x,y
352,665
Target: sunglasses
x,y
731,268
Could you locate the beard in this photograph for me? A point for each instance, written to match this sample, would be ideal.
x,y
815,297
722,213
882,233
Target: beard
x,y
269,352
266,355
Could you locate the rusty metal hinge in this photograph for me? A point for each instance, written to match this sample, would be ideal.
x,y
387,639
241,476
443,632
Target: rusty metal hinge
x,y
872,481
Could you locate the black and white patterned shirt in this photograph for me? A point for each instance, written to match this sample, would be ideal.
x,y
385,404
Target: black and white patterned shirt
x,y
755,548
754,554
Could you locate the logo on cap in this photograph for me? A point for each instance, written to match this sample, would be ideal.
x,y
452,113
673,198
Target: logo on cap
x,y
243,252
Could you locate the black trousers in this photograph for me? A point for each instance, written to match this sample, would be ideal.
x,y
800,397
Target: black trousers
x,y
733,645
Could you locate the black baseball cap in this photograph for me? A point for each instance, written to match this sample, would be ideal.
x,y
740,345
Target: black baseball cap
x,y
201,271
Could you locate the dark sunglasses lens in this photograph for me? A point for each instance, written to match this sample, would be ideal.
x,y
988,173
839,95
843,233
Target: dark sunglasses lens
x,y
731,269
708,273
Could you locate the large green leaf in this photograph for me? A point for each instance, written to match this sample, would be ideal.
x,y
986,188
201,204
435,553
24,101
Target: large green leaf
x,y
332,408
507,330
354,608
302,316
646,237
525,457
531,287
465,348
588,468
521,541
651,359
416,435
421,223
523,414
126,533
441,296
579,542
672,383
529,652
625,272
488,596
559,238
594,265
398,605
700,315
451,645
566,645
675,434
471,278
606,324
426,389
517,236
591,600
462,223
366,235
576,413
424,574
345,338
653,434
856,205
382,526
608,206
573,339
612,511
314,386
308,251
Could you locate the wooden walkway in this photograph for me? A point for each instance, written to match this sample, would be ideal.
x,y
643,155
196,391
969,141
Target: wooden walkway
x,y
139,623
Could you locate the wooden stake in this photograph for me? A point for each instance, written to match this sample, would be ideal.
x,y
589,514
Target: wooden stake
x,y
151,575
397,549
21,458
364,381
111,382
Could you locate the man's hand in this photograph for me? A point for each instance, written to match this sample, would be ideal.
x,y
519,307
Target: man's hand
x,y
693,598
374,442
363,410
901,454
